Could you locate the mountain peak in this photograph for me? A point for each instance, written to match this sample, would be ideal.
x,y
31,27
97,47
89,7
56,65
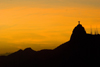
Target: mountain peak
x,y
29,50
78,32
20,50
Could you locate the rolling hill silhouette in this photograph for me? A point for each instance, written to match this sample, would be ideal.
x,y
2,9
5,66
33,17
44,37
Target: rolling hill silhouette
x,y
80,51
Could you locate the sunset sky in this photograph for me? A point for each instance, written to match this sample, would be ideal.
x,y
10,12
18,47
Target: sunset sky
x,y
44,24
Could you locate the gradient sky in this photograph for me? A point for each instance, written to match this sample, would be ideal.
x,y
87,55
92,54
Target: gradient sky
x,y
44,24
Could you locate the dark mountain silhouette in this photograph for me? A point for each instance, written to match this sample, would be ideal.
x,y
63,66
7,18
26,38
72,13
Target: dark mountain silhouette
x,y
78,32
80,51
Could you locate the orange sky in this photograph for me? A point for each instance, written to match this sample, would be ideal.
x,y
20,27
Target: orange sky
x,y
44,24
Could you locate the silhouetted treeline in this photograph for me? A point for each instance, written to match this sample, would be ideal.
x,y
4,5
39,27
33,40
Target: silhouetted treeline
x,y
80,51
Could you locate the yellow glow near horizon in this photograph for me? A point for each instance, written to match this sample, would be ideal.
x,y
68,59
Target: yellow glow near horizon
x,y
43,24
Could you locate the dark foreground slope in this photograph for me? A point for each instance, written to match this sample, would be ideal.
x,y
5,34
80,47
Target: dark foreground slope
x,y
81,50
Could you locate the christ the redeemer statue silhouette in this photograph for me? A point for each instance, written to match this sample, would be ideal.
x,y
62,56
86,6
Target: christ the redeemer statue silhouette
x,y
78,22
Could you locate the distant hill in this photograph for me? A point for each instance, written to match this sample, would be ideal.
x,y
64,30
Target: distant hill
x,y
80,51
